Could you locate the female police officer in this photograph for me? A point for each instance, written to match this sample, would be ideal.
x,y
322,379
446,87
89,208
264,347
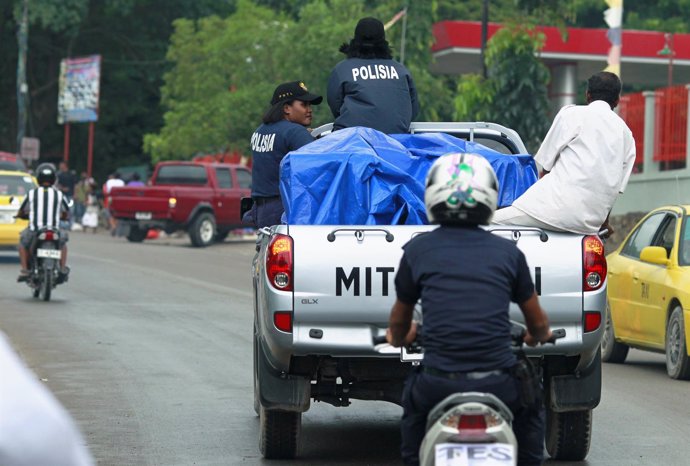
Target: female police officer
x,y
466,278
369,88
284,129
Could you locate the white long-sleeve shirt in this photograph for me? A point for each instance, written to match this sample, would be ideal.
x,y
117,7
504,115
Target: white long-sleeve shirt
x,y
589,153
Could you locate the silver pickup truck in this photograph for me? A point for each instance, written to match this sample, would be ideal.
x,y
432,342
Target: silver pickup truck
x,y
322,293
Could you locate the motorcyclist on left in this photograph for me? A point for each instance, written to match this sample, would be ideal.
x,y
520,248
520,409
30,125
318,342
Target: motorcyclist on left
x,y
44,206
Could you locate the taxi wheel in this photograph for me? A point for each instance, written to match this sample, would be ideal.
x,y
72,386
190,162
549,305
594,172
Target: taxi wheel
x,y
611,350
677,361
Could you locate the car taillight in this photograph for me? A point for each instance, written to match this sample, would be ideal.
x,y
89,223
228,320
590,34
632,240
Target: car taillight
x,y
279,262
592,320
283,321
593,263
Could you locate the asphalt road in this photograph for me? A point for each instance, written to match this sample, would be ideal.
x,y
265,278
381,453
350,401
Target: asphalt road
x,y
149,347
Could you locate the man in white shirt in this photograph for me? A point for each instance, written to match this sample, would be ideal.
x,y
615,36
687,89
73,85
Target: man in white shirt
x,y
587,157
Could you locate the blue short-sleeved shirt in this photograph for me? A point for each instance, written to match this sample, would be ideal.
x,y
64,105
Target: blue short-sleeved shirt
x,y
466,278
269,144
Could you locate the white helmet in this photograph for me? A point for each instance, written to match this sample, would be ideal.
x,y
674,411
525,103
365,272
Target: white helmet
x,y
461,189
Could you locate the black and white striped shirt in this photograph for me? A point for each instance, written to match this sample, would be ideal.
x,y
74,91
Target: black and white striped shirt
x,y
44,205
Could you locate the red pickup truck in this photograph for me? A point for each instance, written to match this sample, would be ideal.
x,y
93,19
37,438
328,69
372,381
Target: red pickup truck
x,y
201,198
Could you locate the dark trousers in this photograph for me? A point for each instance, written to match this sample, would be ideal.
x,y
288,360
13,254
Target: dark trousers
x,y
265,212
423,391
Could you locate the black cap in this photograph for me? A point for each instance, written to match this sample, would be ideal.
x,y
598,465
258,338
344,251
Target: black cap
x,y
370,31
295,90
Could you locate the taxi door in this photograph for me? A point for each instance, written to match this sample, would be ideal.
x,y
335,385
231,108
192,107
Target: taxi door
x,y
649,296
655,290
626,289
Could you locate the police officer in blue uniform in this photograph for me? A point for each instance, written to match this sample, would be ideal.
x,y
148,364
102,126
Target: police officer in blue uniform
x,y
369,88
284,129
466,278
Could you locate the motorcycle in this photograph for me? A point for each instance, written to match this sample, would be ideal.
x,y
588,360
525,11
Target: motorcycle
x,y
469,428
44,263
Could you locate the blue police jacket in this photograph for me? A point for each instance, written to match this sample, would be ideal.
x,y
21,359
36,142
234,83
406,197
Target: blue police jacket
x,y
376,93
269,144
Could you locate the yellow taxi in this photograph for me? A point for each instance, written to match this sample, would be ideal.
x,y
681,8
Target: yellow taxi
x,y
649,291
14,186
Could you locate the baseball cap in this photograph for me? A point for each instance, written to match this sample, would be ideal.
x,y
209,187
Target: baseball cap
x,y
369,30
295,90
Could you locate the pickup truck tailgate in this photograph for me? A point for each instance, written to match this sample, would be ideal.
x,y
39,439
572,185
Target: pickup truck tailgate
x,y
344,283
126,202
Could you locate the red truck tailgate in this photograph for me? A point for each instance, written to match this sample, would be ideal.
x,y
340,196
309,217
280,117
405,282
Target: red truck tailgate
x,y
126,202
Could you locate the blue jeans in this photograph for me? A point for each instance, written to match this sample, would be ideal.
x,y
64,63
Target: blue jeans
x,y
423,391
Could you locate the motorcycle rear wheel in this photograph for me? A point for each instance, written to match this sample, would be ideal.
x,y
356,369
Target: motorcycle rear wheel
x,y
46,285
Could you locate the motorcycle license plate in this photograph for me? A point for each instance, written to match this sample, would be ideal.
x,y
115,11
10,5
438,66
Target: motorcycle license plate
x,y
143,215
49,253
474,454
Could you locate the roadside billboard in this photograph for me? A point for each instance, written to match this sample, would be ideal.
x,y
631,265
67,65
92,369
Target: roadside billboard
x,y
79,89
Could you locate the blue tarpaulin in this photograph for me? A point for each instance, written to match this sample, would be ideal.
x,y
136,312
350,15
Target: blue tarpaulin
x,y
360,176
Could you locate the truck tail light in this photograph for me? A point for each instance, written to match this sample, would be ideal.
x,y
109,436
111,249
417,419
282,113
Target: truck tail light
x,y
593,263
279,262
592,320
283,321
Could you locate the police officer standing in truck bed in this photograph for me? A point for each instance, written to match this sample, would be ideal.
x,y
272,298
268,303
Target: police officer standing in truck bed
x,y
369,88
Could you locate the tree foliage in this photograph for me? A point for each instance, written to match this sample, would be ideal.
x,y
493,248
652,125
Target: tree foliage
x,y
514,94
224,70
213,97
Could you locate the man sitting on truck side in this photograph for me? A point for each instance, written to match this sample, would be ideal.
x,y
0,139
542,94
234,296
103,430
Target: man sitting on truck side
x,y
466,278
587,156
284,129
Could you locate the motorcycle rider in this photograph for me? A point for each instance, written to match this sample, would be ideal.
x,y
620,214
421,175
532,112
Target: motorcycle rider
x,y
466,278
43,206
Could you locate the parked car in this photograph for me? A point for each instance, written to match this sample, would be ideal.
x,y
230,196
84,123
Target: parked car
x,y
14,186
649,291
201,198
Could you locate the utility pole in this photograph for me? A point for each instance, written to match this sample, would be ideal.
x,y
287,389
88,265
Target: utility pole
x,y
485,36
22,88
402,39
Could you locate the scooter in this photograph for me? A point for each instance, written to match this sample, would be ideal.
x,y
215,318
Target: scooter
x,y
44,263
470,428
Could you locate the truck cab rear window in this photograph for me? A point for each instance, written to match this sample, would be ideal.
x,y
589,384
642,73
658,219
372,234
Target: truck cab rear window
x,y
182,174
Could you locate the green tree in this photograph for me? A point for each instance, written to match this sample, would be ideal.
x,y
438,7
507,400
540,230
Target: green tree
x,y
132,37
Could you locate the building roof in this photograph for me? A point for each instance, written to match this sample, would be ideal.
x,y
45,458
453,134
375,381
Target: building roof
x,y
457,48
